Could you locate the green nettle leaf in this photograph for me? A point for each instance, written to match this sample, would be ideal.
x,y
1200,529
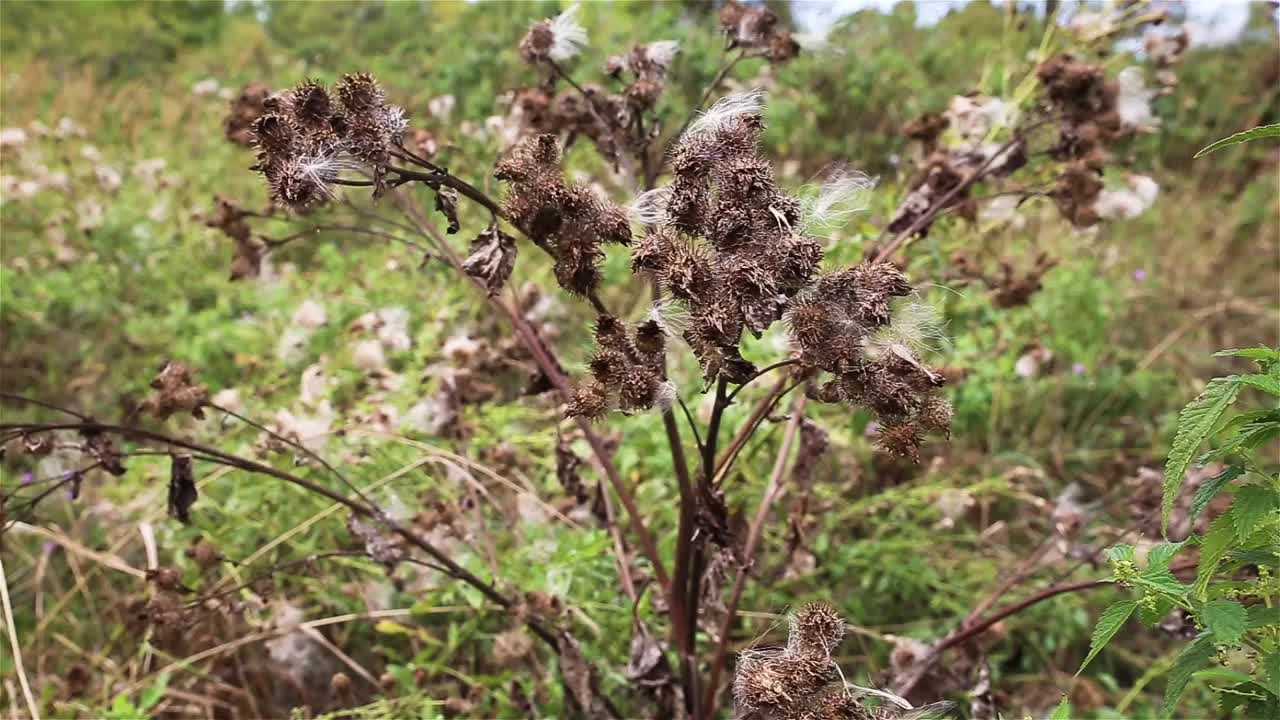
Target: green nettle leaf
x,y
1211,487
1259,353
1271,668
1113,618
1160,555
1250,434
1119,552
1268,383
1262,131
1252,506
1063,711
1213,548
1226,619
1193,657
1161,580
1195,422
1262,616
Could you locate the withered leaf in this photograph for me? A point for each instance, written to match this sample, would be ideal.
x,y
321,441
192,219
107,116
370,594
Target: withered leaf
x,y
447,205
492,258
567,471
182,488
104,451
176,391
576,675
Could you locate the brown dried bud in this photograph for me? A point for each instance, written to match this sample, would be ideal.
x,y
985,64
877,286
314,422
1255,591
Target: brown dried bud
x,y
816,630
903,440
590,400
311,105
779,681
360,93
782,47
607,366
274,136
650,342
340,683
638,390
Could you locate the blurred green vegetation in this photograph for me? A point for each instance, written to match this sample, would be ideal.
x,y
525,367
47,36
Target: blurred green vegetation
x,y
86,317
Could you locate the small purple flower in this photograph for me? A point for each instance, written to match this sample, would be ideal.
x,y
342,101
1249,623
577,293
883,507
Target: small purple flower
x,y
1078,369
1140,275
872,429
49,548
27,478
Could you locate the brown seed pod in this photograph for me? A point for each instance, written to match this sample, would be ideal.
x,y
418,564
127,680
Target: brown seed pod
x,y
816,630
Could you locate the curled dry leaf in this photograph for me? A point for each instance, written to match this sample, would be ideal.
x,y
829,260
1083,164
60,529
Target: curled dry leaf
x,y
447,205
182,488
575,672
492,258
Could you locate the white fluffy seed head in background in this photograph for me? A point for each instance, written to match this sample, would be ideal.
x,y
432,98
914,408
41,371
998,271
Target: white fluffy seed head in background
x,y
568,36
662,53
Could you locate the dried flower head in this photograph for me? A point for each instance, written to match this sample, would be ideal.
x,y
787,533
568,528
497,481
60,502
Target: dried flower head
x,y
800,681
557,39
570,220
305,139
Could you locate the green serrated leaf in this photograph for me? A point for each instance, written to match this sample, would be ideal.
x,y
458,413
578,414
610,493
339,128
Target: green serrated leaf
x,y
1226,619
1113,618
1248,435
1254,353
1252,506
1262,616
1192,658
1267,383
1195,422
1063,711
1271,669
1213,548
1211,487
1119,552
1223,675
1161,580
1262,131
1160,555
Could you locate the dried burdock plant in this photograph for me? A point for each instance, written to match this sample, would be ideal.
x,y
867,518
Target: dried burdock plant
x,y
726,251
803,682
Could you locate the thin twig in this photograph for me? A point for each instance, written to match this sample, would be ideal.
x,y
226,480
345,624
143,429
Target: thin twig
x,y
14,645
762,371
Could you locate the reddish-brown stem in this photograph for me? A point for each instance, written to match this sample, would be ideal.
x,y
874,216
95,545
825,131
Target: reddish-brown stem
x,y
755,532
908,681
762,410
